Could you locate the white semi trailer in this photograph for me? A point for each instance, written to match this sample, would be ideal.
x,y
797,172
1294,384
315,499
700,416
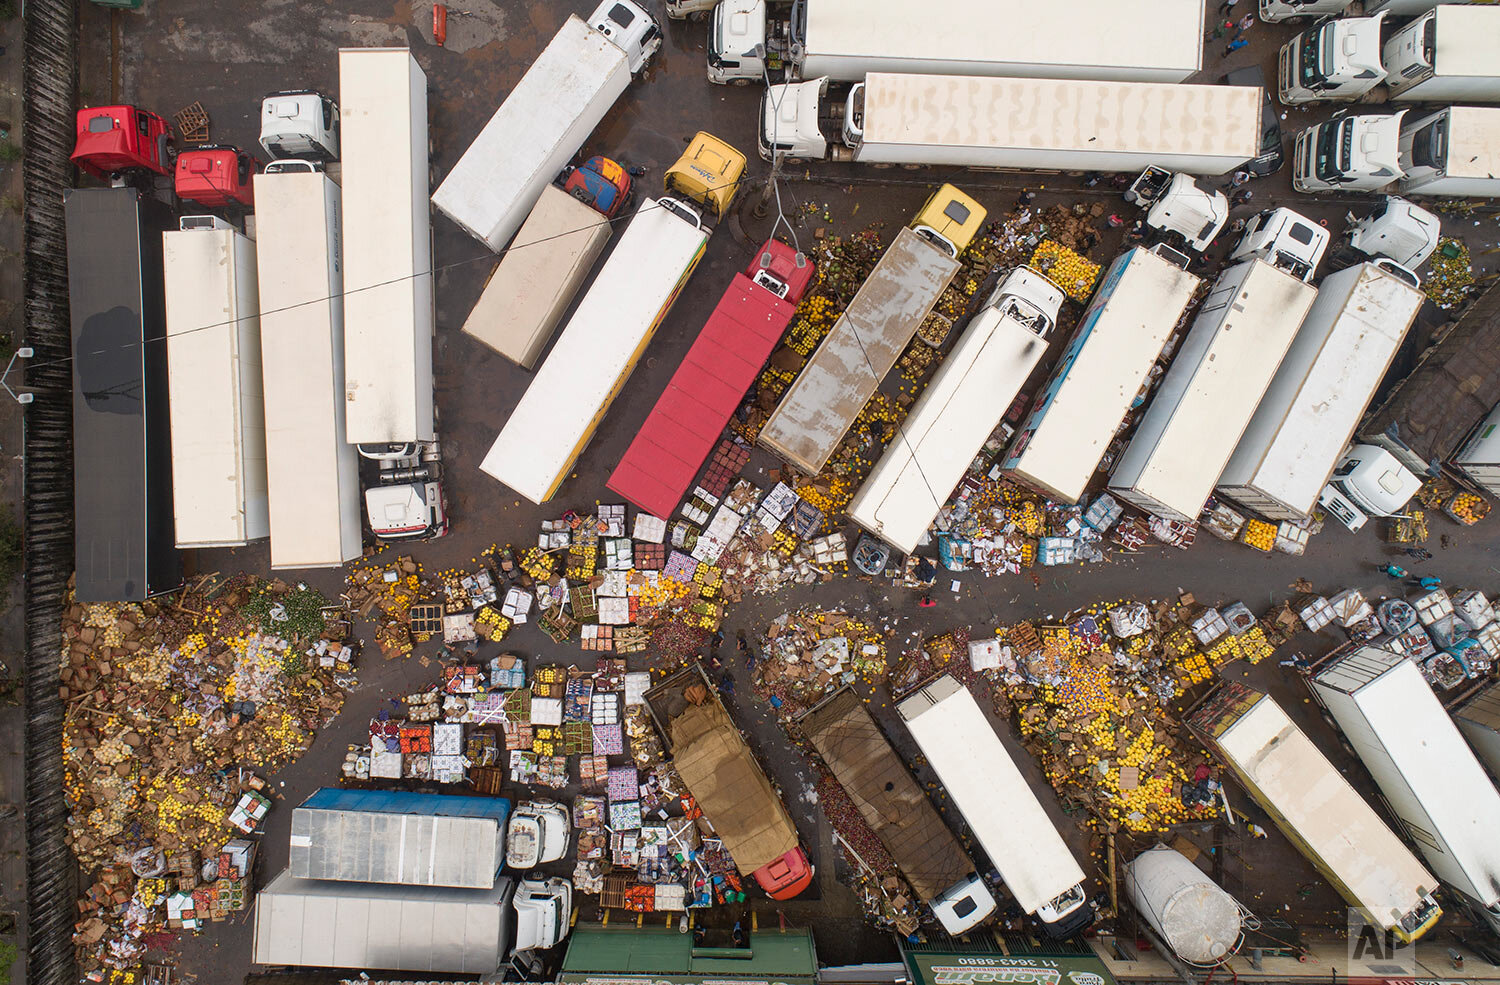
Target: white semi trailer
x,y
545,119
1035,124
312,472
388,304
214,385
1068,39
1429,777
1327,378
1446,55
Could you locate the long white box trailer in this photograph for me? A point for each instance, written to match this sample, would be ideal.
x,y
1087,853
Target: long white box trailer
x,y
1216,381
531,288
1065,39
539,127
1317,809
818,408
324,924
214,385
598,349
388,304
1454,151
965,401
1040,124
1139,301
1427,774
312,473
1318,396
1447,55
999,806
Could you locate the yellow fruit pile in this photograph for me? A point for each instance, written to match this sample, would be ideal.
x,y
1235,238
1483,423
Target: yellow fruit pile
x,y
1067,269
1468,508
1259,534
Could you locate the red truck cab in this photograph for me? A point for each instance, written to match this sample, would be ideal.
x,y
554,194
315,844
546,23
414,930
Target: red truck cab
x,y
601,184
786,877
782,271
216,176
115,140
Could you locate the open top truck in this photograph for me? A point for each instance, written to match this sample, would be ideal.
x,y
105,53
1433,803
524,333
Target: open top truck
x,y
722,774
895,807
845,371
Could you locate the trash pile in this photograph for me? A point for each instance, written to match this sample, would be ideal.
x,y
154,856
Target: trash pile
x,y
887,900
1450,273
167,701
384,590
810,653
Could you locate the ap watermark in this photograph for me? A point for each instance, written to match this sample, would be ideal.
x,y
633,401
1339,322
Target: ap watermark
x,y
1379,950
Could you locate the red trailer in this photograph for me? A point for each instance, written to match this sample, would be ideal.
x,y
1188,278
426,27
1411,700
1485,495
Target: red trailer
x,y
115,140
707,388
216,176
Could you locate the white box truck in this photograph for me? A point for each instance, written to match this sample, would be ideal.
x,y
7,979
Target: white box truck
x,y
1136,305
821,404
1227,359
1317,397
214,385
1446,55
1007,821
1455,151
1035,124
1334,61
1317,809
1427,774
1478,718
965,401
312,472
388,307
545,119
844,39
1479,458
612,325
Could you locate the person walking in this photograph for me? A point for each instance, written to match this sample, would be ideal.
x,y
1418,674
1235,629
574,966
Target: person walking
x,y
1226,7
1426,583
1242,25
1240,196
1395,571
927,602
1238,178
1234,46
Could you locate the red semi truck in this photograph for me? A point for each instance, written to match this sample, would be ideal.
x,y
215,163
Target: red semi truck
x,y
707,388
121,140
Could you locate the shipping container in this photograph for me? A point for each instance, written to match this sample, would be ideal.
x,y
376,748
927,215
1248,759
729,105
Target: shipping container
x,y
123,544
320,924
214,380
1317,397
897,810
397,836
959,409
388,305
1030,124
1220,372
1428,776
1446,55
1455,151
1317,809
710,383
1137,304
1007,821
598,349
312,473
540,126
1479,458
845,39
530,290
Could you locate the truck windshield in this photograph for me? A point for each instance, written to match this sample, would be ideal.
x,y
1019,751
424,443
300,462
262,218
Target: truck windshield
x,y
1315,57
1334,145
1429,41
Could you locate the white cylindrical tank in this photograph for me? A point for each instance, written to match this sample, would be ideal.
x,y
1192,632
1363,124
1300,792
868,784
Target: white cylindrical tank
x,y
1197,920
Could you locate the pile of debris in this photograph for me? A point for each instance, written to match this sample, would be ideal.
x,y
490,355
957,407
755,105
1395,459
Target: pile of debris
x,y
384,590
166,700
811,652
887,900
1450,273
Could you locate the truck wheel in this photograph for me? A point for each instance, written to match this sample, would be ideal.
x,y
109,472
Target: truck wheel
x,y
740,82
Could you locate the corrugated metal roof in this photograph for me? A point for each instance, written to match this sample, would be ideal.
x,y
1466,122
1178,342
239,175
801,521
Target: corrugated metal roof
x,y
659,952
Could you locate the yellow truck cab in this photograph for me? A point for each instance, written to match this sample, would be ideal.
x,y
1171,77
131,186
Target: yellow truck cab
x,y
950,220
709,173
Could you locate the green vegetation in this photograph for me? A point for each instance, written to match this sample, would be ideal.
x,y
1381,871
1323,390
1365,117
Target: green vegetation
x,y
10,548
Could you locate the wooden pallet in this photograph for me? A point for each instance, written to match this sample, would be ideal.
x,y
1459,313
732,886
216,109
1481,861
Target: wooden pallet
x,y
192,124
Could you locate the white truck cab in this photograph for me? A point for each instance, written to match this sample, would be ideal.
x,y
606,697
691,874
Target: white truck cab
x,y
1187,211
1396,230
300,123
1284,239
1338,61
1272,11
789,123
544,910
1349,153
737,42
630,28
683,9
538,833
406,502
1368,481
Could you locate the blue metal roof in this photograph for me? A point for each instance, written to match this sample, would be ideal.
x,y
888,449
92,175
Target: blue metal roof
x,y
408,802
